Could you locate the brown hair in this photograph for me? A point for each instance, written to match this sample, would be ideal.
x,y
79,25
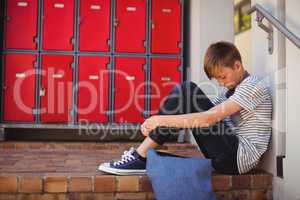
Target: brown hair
x,y
220,54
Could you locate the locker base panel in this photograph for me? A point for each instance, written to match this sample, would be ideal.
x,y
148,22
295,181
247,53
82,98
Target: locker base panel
x,y
60,132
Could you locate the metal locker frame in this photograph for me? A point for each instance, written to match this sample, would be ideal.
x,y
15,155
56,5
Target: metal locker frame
x,y
181,69
77,28
75,19
75,52
112,108
2,26
75,104
113,47
3,53
182,30
70,122
3,79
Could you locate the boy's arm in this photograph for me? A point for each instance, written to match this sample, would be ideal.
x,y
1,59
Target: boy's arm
x,y
193,120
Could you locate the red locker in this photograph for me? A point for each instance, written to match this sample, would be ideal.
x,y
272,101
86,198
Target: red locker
x,y
19,87
130,26
166,26
56,88
21,24
94,28
58,23
129,90
93,89
165,74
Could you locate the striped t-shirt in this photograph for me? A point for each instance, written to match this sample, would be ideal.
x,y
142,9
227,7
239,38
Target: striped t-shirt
x,y
253,123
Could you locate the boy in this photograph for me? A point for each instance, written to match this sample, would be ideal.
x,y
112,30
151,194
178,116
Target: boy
x,y
233,130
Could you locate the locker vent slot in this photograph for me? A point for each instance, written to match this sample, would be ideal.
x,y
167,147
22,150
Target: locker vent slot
x,y
57,75
59,5
166,10
20,75
93,77
131,9
22,4
130,78
165,78
95,7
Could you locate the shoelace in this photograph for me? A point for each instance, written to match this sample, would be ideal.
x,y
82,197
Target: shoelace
x,y
127,156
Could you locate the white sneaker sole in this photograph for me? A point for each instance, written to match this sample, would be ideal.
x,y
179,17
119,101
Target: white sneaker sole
x,y
106,168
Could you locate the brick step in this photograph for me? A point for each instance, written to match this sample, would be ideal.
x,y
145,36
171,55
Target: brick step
x,y
16,145
66,174
256,186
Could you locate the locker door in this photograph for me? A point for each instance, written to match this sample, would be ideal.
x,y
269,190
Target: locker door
x,y
166,26
93,90
56,88
129,90
21,24
19,87
94,28
58,23
130,26
165,74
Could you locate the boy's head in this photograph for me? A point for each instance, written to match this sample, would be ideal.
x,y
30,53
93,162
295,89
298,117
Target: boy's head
x,y
223,62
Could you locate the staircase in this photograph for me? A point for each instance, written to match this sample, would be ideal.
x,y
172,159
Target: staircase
x,y
67,171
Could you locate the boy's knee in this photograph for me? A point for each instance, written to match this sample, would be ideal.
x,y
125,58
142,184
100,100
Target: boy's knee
x,y
188,85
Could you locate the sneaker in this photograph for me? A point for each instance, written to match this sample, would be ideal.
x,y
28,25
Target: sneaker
x,y
130,164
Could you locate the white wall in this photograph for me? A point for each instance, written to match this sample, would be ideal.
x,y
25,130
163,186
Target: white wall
x,y
207,26
272,67
292,160
283,72
243,41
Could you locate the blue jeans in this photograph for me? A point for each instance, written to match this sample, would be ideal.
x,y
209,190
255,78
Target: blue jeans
x,y
217,142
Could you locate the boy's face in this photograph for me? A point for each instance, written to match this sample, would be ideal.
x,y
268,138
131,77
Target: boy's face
x,y
229,77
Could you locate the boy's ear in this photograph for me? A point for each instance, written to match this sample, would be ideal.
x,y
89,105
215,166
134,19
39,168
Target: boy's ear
x,y
237,65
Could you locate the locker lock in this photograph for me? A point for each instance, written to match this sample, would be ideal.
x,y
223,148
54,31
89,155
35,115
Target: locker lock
x,y
7,18
42,92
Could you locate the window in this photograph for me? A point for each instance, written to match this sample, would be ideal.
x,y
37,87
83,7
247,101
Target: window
x,y
242,21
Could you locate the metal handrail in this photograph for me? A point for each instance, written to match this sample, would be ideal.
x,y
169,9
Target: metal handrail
x,y
263,13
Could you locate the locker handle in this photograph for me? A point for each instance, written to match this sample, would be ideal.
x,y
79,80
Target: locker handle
x,y
179,44
42,92
116,22
80,19
152,25
4,87
72,41
35,39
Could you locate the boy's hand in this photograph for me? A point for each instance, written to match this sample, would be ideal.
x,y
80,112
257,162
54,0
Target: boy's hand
x,y
149,124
